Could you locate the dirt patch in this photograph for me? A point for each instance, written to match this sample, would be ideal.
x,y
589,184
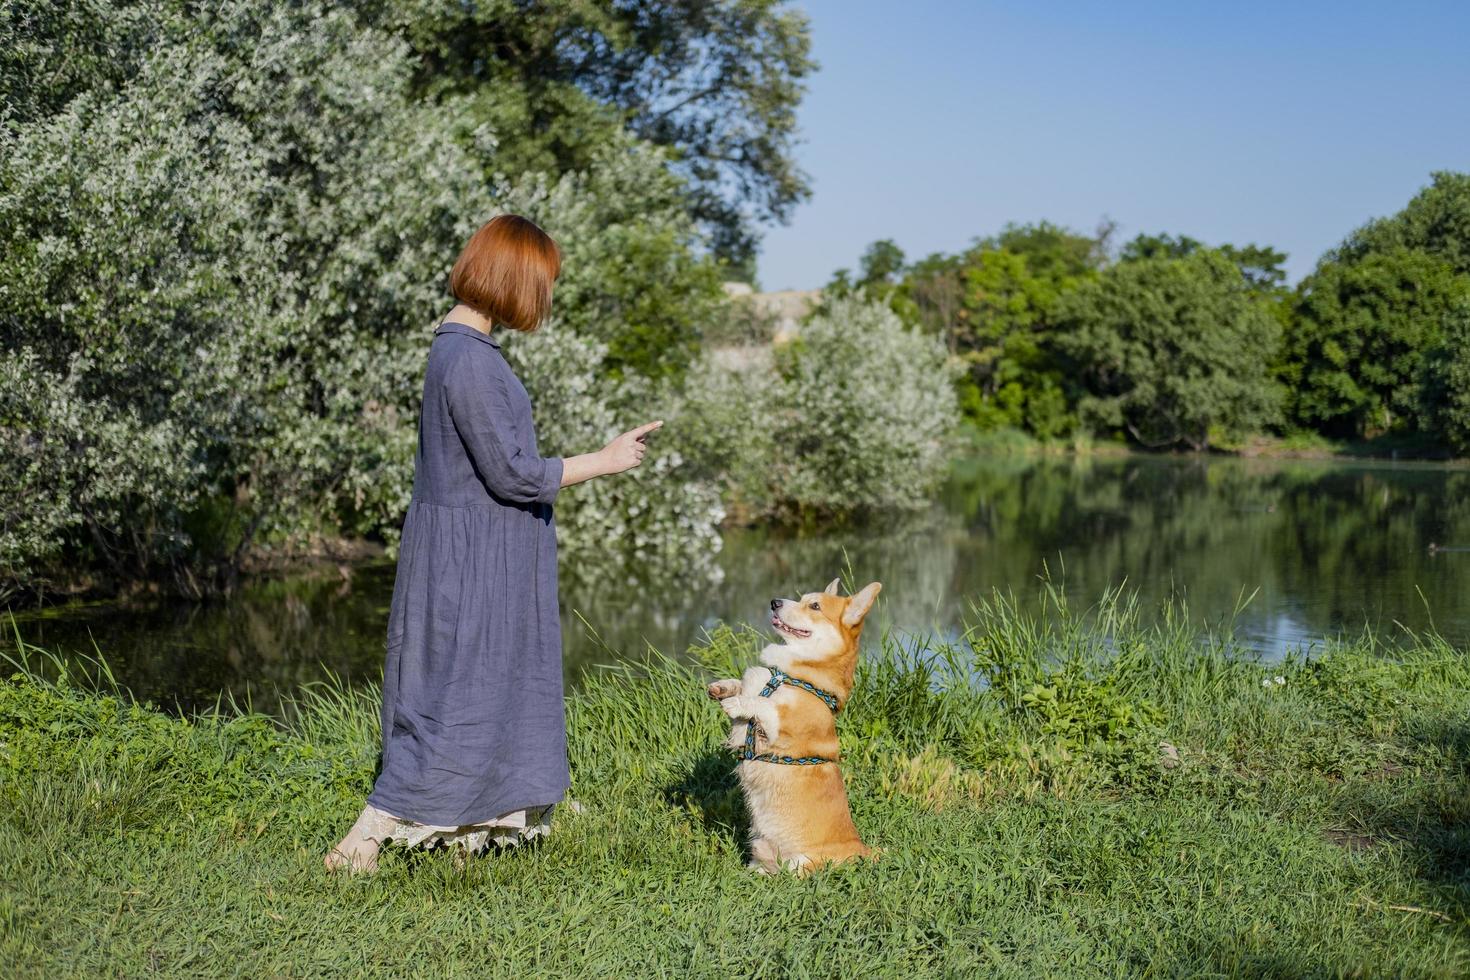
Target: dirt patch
x,y
1349,840
1387,770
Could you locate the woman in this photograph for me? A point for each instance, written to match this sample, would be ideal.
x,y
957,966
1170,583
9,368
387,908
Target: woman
x,y
474,735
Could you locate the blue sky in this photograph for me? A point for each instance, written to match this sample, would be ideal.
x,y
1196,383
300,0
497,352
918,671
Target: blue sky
x,y
1286,123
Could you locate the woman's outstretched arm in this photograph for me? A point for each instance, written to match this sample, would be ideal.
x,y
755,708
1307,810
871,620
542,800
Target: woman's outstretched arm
x,y
623,453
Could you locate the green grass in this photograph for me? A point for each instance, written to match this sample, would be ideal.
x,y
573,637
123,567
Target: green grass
x,y
1014,780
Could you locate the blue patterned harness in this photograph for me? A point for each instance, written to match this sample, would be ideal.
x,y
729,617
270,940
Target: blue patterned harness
x,y
748,754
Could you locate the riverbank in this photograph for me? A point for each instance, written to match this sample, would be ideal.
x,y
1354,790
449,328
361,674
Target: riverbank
x,y
1306,445
1305,818
338,557
331,555
1311,446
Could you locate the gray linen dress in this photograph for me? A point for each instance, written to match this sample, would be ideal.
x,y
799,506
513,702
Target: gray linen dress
x,y
473,722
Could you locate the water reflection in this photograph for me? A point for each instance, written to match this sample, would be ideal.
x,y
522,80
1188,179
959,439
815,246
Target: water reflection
x,y
1327,547
1331,547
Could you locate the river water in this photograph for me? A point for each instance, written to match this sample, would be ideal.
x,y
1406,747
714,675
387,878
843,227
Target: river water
x,y
1321,548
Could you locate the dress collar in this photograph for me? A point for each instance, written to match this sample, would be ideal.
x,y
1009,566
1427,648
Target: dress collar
x,y
466,330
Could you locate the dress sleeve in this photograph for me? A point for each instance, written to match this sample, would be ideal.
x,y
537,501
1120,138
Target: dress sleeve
x,y
486,424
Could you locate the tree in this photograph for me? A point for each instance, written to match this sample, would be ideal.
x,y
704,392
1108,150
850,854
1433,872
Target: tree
x,y
1446,390
990,304
1436,222
1362,322
1261,265
1053,252
717,83
879,268
1171,349
1160,246
880,265
634,280
1358,333
934,289
1012,283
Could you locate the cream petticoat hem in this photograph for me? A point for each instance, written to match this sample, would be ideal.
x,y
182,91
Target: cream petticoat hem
x,y
504,831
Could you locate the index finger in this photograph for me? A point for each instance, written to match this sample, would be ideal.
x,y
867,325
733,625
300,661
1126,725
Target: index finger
x,y
644,430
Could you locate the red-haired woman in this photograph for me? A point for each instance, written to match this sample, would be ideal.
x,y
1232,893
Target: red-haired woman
x,y
474,735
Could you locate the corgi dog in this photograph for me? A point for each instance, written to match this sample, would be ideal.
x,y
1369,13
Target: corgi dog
x,y
785,732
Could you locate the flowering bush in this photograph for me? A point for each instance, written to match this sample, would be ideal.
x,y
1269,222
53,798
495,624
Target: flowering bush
x,y
656,521
218,276
626,313
853,415
213,280
863,409
219,259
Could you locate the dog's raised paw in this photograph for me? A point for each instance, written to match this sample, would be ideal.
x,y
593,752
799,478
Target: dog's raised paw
x,y
720,690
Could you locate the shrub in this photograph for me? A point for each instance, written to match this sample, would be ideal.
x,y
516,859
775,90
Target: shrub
x,y
861,412
224,258
221,253
653,523
853,415
723,421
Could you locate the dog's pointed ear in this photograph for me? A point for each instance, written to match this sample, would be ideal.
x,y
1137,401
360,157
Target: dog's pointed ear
x,y
831,588
860,603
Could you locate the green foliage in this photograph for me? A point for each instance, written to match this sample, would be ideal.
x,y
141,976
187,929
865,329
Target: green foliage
x,y
1164,246
1354,351
53,50
1086,713
1362,354
1015,379
879,275
1052,252
933,289
717,84
861,413
1366,333
999,307
655,523
632,279
881,264
214,271
1446,391
1332,806
1260,265
221,256
853,415
1436,221
996,304
1168,349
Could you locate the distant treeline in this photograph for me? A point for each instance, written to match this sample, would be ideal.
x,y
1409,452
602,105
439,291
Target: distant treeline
x,y
1169,342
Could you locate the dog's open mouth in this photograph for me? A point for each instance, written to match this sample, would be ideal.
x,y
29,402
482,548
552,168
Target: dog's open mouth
x,y
789,630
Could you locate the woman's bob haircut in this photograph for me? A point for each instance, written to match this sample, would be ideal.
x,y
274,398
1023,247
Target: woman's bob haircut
x,y
506,272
